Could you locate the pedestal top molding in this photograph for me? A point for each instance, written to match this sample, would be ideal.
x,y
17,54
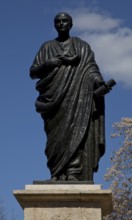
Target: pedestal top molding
x,y
47,195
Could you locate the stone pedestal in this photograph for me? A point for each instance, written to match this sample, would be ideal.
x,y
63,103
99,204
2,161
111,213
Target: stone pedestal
x,y
64,202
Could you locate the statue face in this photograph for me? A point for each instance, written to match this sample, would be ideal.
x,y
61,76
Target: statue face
x,y
63,22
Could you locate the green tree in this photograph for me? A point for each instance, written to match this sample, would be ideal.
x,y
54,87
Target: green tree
x,y
119,175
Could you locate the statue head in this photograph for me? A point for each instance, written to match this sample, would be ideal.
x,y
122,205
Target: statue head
x,y
63,22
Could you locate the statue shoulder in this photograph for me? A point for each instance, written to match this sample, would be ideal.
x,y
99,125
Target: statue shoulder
x,y
81,42
47,43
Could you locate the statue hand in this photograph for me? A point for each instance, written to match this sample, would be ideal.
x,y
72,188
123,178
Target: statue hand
x,y
99,82
70,60
54,62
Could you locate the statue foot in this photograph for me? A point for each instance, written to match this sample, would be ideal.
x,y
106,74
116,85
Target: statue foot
x,y
54,178
72,178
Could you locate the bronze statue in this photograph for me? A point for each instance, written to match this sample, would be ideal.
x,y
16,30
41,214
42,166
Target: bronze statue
x,y
73,116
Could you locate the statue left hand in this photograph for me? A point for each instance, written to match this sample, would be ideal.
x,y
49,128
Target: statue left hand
x,y
99,82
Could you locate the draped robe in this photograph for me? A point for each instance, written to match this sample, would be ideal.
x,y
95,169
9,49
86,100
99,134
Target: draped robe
x,y
73,117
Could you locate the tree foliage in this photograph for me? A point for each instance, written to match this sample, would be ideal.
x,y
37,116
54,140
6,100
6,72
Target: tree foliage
x,y
119,175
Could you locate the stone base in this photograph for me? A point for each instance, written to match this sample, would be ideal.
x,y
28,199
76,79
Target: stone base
x,y
64,202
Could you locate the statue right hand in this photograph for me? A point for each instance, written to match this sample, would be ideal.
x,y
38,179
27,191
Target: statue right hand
x,y
54,62
70,60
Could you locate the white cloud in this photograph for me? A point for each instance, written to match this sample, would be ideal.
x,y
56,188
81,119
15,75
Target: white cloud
x,y
94,21
110,40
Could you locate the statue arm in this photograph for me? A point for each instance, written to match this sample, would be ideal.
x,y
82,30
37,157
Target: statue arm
x,y
99,81
37,71
101,87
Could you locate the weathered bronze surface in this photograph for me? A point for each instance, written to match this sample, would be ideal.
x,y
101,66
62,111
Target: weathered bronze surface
x,y
73,116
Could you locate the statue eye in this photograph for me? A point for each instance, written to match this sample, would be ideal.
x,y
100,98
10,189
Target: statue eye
x,y
65,20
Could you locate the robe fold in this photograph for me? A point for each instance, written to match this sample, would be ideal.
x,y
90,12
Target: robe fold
x,y
73,117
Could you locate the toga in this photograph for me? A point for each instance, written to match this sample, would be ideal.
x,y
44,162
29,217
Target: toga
x,y
73,117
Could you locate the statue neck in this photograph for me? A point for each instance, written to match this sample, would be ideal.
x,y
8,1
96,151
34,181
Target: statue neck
x,y
63,37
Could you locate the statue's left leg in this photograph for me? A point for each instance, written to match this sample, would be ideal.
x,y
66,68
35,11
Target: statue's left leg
x,y
74,168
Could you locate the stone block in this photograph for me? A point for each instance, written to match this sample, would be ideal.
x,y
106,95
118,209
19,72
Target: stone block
x,y
64,202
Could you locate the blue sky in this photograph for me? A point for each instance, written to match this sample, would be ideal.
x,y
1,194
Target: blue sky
x,y
25,25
